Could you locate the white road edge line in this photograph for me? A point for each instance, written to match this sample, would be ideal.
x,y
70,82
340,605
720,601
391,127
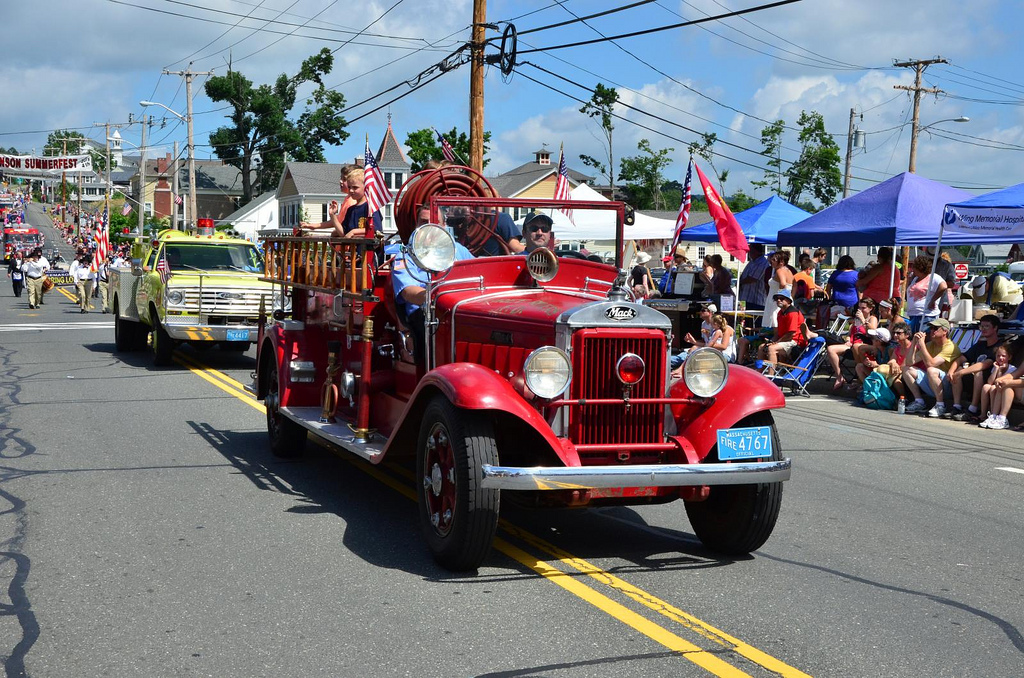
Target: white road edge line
x,y
1011,469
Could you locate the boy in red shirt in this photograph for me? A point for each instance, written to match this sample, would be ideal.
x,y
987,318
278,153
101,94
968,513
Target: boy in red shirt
x,y
788,332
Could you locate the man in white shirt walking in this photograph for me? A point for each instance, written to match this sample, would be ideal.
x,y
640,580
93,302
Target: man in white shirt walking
x,y
84,276
34,268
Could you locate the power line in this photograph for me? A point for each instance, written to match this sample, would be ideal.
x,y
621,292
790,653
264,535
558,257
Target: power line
x,y
647,31
268,46
578,19
218,37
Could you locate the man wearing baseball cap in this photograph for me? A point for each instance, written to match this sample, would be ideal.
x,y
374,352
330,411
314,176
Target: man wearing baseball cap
x,y
935,355
538,231
789,335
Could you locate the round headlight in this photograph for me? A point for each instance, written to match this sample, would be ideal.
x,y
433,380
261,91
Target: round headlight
x,y
705,372
282,301
630,369
175,297
432,248
547,371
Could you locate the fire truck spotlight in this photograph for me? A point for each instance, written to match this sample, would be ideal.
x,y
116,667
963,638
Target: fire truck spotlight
x,y
175,297
705,372
432,248
630,369
547,371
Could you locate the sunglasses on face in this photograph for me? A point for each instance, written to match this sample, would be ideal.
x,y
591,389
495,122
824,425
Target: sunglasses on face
x,y
544,229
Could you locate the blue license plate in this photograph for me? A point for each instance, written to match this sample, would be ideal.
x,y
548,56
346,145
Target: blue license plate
x,y
744,443
238,335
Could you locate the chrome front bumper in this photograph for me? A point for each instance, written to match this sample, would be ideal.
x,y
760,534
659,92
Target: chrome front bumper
x,y
647,475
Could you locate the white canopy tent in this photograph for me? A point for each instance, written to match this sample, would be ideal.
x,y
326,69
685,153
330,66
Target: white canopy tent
x,y
600,225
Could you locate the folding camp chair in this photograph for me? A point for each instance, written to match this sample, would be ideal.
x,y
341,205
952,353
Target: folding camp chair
x,y
798,375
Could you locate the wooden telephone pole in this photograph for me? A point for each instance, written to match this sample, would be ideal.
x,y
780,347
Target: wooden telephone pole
x,y
476,87
918,65
188,75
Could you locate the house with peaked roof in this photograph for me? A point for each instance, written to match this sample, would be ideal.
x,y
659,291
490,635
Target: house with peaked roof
x,y
534,179
260,214
306,188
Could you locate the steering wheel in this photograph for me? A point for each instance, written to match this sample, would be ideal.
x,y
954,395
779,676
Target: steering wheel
x,y
571,254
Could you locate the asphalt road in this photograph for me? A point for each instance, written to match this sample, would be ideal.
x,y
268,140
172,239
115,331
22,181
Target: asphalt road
x,y
145,530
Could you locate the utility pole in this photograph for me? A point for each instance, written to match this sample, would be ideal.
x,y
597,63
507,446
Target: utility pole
x,y
476,87
174,190
188,75
918,66
64,176
849,154
142,176
106,202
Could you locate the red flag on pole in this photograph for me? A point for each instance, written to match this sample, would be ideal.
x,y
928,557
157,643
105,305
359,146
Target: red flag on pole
x,y
730,235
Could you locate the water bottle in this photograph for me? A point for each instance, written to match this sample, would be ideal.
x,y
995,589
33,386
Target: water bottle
x,y
902,407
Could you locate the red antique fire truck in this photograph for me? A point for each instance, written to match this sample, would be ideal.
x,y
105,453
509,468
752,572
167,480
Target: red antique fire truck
x,y
541,380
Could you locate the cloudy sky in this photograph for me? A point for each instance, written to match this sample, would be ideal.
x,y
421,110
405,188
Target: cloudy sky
x,y
80,62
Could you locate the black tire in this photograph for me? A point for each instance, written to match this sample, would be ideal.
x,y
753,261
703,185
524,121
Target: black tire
x,y
738,519
163,345
124,332
458,516
287,439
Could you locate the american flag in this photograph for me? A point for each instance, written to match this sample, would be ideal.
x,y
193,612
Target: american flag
x,y
446,148
178,200
162,268
126,210
684,208
376,191
562,182
102,247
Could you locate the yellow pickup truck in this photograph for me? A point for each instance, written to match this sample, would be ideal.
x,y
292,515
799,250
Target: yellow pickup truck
x,y
198,289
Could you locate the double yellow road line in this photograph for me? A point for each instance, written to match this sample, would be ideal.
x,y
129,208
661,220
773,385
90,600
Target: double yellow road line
x,y
563,569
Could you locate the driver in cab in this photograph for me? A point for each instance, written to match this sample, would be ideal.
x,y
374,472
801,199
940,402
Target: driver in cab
x,y
408,279
538,232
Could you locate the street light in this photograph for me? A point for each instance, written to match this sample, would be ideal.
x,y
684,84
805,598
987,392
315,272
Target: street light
x,y
191,155
915,130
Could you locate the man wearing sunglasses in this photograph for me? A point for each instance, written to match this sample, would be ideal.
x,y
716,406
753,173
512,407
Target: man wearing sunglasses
x,y
538,232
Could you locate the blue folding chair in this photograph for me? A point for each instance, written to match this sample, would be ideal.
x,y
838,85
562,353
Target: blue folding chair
x,y
798,375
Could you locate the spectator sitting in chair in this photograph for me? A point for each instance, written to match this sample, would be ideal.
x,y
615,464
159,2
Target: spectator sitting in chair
x,y
864,321
937,356
978,360
789,335
898,353
875,355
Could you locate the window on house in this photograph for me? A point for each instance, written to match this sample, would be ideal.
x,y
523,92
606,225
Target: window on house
x,y
702,252
149,209
872,250
323,212
836,253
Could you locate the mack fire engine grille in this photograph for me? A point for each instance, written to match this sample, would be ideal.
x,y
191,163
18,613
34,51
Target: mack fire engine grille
x,y
233,302
595,355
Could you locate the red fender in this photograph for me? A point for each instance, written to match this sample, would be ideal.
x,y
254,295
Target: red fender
x,y
474,387
745,393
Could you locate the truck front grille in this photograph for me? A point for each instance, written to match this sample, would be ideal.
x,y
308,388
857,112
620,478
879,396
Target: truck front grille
x,y
595,355
225,301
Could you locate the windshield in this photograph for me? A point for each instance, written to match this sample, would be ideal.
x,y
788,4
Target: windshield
x,y
214,257
23,238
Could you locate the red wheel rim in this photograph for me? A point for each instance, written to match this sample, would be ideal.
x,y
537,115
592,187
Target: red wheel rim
x,y
439,484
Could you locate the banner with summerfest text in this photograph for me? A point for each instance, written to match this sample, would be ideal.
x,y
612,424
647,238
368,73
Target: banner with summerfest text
x,y
43,166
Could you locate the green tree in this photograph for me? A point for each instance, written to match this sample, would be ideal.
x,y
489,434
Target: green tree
x,y
740,201
261,132
75,143
644,177
423,146
601,107
771,141
816,171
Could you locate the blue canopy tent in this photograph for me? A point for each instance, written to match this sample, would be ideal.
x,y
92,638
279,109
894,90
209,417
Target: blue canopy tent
x,y
989,219
904,210
760,223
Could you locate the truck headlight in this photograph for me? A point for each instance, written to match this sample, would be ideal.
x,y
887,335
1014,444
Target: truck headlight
x,y
547,371
432,248
175,297
705,372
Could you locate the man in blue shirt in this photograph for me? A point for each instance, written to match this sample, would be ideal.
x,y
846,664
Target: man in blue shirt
x,y
408,280
754,279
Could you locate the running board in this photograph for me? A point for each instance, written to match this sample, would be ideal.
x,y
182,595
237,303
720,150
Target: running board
x,y
337,433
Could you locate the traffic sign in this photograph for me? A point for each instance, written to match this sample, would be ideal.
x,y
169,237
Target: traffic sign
x,y
961,270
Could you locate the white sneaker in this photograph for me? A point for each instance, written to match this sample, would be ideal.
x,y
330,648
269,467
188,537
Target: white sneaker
x,y
999,422
916,406
937,411
988,421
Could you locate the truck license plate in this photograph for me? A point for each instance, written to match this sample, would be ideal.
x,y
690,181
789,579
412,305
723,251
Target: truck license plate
x,y
238,335
744,443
